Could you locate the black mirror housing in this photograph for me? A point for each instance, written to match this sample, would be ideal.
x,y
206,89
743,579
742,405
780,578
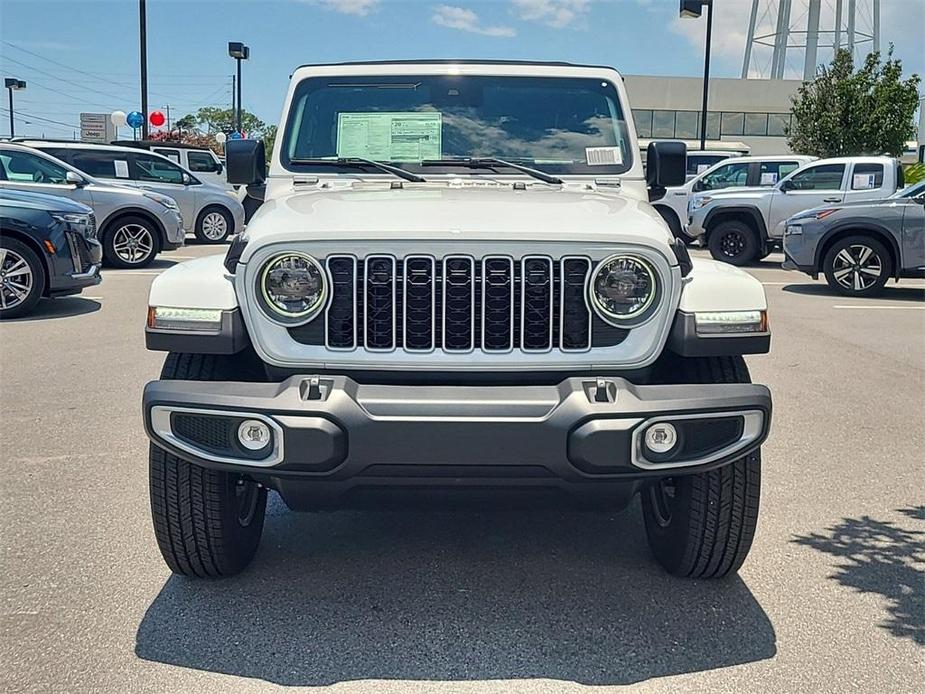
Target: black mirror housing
x,y
245,161
786,185
666,164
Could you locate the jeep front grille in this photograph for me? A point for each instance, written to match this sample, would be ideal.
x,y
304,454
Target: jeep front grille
x,y
458,303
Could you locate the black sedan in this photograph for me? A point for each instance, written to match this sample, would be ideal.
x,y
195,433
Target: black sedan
x,y
48,248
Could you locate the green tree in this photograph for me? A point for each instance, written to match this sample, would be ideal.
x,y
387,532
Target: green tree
x,y
845,112
214,119
269,139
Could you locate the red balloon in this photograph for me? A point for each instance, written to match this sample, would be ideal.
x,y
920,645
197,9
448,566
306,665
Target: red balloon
x,y
157,119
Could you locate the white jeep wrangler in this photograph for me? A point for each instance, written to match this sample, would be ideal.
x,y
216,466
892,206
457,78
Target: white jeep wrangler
x,y
456,290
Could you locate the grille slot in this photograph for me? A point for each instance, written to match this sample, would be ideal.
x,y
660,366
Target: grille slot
x,y
459,303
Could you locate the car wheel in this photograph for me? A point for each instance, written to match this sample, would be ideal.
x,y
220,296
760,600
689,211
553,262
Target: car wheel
x,y
733,242
22,278
702,525
214,225
857,266
131,242
207,523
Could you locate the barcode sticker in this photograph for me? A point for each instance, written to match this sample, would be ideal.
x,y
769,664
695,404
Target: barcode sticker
x,y
603,156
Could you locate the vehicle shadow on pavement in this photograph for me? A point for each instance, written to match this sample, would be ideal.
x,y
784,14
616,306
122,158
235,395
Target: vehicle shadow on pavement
x,y
65,307
891,293
454,597
881,557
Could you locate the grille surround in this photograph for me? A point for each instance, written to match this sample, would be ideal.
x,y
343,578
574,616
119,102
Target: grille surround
x,y
304,347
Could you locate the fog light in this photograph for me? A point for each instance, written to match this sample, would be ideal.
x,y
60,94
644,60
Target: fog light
x,y
661,437
254,434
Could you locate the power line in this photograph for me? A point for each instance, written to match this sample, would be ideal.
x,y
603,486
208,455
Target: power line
x,y
60,79
19,115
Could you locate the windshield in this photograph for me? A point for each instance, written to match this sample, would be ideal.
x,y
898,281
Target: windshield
x,y
557,125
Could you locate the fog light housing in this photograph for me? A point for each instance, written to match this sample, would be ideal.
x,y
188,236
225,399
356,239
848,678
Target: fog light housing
x,y
253,434
661,438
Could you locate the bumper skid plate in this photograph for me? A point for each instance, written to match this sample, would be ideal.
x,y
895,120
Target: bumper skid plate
x,y
331,429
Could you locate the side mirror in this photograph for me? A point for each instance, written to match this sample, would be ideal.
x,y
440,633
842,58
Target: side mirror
x,y
74,178
187,179
786,185
698,187
246,161
219,168
666,166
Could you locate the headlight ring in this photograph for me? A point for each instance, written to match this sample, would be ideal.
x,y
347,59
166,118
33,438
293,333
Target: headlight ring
x,y
292,288
624,289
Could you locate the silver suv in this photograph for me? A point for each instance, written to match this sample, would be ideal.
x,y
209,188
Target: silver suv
x,y
210,211
134,225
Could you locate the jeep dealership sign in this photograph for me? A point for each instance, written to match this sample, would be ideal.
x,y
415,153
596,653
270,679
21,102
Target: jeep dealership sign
x,y
96,127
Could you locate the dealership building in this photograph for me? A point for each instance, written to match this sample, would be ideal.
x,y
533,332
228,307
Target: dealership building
x,y
755,112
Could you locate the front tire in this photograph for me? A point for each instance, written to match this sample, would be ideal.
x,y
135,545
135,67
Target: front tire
x,y
214,225
22,278
702,525
734,242
207,523
857,266
131,242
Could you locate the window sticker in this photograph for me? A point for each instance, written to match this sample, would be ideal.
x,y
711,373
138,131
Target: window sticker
x,y
769,179
121,168
603,156
703,167
390,136
864,181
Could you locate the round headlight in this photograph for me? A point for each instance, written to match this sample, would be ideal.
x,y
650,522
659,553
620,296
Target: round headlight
x,y
293,287
622,288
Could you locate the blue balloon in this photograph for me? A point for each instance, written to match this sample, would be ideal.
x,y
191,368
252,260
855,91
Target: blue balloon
x,y
235,135
135,119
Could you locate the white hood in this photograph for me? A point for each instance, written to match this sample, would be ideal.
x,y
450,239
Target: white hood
x,y
440,212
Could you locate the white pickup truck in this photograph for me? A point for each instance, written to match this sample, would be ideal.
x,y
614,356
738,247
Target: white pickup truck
x,y
735,172
745,224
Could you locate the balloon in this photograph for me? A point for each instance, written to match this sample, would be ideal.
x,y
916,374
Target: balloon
x,y
156,118
220,137
117,118
135,119
235,135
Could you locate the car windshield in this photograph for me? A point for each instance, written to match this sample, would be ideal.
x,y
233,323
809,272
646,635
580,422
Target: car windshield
x,y
913,191
557,125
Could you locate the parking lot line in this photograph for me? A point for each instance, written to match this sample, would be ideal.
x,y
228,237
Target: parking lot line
x,y
129,273
882,308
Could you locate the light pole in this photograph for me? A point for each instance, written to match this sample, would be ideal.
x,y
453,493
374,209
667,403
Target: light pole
x,y
143,49
239,52
11,84
691,9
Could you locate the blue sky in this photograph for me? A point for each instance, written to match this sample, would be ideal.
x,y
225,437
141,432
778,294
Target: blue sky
x,y
82,55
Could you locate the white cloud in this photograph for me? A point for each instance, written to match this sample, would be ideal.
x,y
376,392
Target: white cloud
x,y
554,13
361,8
462,19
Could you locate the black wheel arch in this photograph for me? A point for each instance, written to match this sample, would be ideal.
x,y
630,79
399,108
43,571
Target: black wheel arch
x,y
35,247
744,213
107,224
667,213
870,229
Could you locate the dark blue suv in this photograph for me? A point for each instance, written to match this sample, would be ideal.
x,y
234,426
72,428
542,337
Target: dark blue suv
x,y
48,248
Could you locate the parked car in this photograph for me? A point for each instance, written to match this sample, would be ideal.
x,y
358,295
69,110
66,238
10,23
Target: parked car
x,y
859,246
417,319
48,248
738,172
134,225
202,162
211,212
742,225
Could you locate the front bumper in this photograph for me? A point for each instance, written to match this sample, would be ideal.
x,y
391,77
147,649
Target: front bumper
x,y
334,438
174,233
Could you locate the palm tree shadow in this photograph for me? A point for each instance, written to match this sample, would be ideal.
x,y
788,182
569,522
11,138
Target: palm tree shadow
x,y
881,557
454,597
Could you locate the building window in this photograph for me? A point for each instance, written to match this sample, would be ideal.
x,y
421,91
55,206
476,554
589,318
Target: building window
x,y
733,123
778,124
756,123
687,125
663,124
643,118
712,125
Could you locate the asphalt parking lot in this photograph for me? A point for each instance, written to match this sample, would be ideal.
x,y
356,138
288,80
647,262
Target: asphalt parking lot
x,y
831,598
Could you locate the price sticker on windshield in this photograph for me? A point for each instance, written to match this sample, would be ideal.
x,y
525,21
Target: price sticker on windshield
x,y
603,156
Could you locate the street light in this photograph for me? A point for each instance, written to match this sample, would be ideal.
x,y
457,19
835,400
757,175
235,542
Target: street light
x,y
239,52
692,9
11,83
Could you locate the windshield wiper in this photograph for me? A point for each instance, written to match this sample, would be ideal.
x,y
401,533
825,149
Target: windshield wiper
x,y
360,163
490,163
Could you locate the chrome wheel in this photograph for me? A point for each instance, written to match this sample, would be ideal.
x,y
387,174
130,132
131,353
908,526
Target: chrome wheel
x,y
132,243
214,226
16,279
857,267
